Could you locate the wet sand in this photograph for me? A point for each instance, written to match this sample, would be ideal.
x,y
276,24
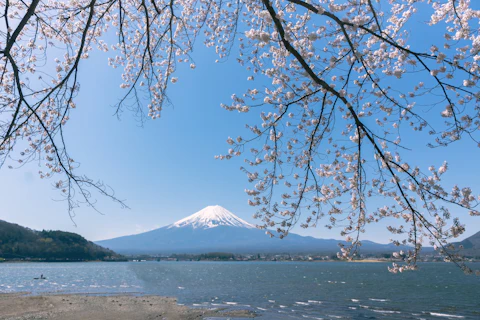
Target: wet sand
x,y
87,307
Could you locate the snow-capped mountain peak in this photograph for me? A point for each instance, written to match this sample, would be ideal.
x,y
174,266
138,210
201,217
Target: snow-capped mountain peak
x,y
211,217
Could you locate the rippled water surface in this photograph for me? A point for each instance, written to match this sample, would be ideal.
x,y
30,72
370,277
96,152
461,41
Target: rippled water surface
x,y
277,290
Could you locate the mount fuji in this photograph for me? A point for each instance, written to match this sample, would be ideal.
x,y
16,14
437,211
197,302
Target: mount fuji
x,y
215,229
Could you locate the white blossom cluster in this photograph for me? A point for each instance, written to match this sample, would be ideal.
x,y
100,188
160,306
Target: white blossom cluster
x,y
345,84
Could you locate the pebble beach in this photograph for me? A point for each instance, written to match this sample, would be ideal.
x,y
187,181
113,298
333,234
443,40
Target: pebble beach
x,y
21,306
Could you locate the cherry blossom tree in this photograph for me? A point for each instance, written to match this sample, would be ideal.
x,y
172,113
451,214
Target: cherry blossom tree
x,y
345,83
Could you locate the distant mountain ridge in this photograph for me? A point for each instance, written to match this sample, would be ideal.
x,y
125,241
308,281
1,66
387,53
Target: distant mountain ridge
x,y
17,242
214,228
471,245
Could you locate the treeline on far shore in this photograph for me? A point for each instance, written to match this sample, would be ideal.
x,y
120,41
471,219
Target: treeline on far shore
x,y
227,256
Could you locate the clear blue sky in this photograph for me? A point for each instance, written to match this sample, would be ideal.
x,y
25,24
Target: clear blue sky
x,y
166,169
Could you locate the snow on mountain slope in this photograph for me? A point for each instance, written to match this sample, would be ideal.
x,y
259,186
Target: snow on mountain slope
x,y
211,217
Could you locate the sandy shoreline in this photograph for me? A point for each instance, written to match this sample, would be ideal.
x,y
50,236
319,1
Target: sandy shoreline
x,y
116,307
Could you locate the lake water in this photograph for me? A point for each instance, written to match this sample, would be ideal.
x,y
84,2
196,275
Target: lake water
x,y
276,290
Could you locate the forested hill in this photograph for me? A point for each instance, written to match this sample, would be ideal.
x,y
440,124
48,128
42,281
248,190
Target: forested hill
x,y
471,246
17,242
